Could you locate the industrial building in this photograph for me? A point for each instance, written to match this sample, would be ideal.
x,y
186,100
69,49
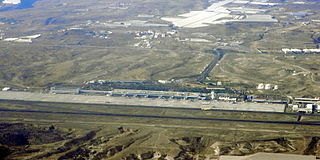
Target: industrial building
x,y
264,100
227,99
262,86
305,108
64,90
6,89
296,51
307,100
160,94
120,99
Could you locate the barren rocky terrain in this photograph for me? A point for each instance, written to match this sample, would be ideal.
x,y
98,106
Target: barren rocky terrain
x,y
80,131
24,141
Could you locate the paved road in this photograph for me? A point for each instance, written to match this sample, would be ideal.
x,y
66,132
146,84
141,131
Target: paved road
x,y
209,68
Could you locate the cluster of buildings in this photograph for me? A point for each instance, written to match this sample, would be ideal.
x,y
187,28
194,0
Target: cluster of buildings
x,y
232,99
306,105
96,82
263,99
165,81
306,108
221,12
118,81
146,36
301,105
199,40
297,51
102,34
130,23
143,44
6,89
223,94
159,94
120,5
149,35
220,94
14,2
70,29
217,83
228,44
262,86
131,93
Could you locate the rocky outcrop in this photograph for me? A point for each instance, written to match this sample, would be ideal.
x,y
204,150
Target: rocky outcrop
x,y
132,144
278,145
19,134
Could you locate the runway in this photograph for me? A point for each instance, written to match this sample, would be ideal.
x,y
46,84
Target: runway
x,y
310,123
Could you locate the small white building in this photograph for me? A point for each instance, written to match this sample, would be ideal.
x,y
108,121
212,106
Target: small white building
x,y
276,87
260,86
172,32
311,50
91,82
309,108
317,108
267,86
164,81
287,50
294,50
213,95
101,81
295,107
227,99
6,89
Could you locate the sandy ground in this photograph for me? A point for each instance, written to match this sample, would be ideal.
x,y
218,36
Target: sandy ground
x,y
90,99
269,156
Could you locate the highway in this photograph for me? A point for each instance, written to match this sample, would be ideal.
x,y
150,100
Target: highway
x,y
204,74
210,66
